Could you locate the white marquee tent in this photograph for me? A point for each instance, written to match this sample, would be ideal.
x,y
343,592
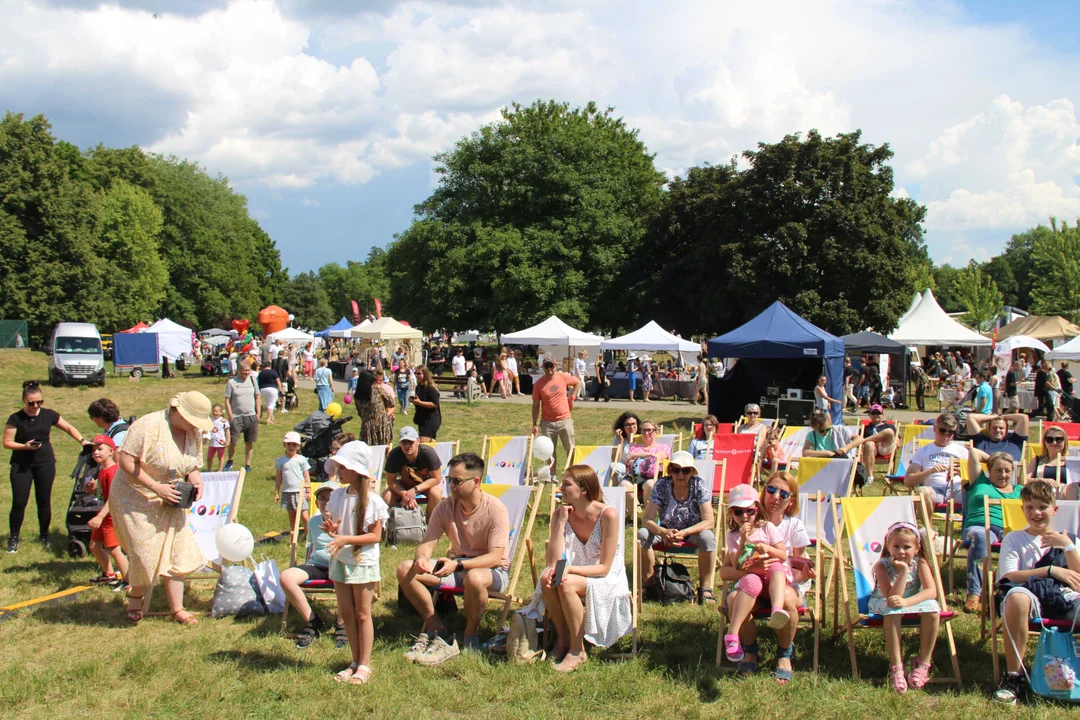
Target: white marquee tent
x,y
292,335
928,324
554,337
652,337
1068,351
386,328
174,339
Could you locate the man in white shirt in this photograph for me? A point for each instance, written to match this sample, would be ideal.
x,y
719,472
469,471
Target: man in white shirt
x,y
580,373
930,468
275,350
458,363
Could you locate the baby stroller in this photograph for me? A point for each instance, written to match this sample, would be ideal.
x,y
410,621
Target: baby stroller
x,y
317,448
291,400
83,505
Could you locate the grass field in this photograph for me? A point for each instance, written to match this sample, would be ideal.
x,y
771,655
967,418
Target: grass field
x,y
80,659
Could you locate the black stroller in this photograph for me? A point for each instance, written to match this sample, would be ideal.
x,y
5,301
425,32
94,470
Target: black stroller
x,y
83,505
317,447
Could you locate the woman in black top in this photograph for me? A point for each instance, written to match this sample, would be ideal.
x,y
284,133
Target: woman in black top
x,y
427,417
26,434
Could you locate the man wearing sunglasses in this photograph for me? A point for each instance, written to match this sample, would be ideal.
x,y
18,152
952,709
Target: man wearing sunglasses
x,y
478,528
930,468
990,433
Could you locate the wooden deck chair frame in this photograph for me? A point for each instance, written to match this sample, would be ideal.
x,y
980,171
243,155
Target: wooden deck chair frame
x,y
852,624
204,575
630,502
528,454
812,614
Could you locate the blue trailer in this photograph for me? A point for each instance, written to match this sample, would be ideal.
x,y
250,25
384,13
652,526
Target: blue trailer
x,y
137,353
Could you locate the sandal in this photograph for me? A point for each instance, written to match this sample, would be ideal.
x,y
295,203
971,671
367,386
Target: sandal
x,y
732,648
705,596
184,617
782,675
134,616
779,618
745,668
341,638
346,674
896,679
920,674
361,675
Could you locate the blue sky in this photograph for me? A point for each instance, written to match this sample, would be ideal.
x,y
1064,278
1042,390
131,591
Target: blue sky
x,y
326,114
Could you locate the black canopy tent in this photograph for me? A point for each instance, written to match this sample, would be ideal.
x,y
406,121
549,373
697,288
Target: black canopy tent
x,y
871,342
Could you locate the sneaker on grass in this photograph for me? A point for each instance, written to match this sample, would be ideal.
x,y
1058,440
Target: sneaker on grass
x,y
439,651
1012,688
418,648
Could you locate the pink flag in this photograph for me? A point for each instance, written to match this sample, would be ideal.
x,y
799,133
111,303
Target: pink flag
x,y
355,312
378,308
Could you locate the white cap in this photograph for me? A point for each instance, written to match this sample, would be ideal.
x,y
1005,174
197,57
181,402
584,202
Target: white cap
x,y
354,456
292,437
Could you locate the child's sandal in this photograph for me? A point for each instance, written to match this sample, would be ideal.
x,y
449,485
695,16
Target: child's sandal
x,y
346,674
896,679
361,676
733,648
920,675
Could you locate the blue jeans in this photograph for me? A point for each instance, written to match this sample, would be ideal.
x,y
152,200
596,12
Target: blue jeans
x,y
326,396
977,548
403,396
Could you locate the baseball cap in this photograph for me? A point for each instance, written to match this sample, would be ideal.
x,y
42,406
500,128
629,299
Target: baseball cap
x,y
876,410
683,459
103,440
548,361
354,456
328,485
292,437
408,433
742,496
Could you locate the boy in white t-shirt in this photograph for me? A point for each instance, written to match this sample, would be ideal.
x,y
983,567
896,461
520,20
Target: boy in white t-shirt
x,y
1021,551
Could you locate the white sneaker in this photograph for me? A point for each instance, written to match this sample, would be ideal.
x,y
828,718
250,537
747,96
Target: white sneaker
x,y
439,651
421,644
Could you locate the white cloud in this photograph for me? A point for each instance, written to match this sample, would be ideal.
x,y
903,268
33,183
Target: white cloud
x,y
308,202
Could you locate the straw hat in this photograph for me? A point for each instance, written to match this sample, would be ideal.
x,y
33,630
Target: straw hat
x,y
195,408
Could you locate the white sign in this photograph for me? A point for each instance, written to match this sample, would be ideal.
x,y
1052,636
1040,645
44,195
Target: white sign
x,y
809,351
211,511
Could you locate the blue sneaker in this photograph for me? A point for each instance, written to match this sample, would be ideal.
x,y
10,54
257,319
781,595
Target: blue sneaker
x,y
228,466
247,468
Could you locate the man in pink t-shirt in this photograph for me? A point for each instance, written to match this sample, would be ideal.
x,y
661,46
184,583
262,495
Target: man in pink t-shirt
x,y
551,403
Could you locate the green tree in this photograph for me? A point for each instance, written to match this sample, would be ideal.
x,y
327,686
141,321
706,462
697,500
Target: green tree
x,y
539,213
945,279
305,298
359,281
808,221
130,224
1055,255
979,295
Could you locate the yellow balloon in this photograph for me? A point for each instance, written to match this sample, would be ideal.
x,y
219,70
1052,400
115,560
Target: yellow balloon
x,y
334,410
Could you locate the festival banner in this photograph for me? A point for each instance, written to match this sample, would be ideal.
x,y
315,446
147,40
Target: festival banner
x,y
207,514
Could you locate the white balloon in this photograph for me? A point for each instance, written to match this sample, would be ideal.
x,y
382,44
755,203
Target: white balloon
x,y
291,317
543,475
543,448
234,542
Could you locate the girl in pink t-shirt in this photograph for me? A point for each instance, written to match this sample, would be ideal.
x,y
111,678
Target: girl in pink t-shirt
x,y
752,541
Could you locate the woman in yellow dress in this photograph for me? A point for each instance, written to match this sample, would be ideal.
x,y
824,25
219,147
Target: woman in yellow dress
x,y
160,449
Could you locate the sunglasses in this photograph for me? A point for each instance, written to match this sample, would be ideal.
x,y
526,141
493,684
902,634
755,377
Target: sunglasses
x,y
739,512
772,490
945,431
752,412
1055,440
647,430
454,482
680,470
35,403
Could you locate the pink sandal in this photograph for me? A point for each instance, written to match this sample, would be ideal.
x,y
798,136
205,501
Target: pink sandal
x,y
920,675
896,679
733,648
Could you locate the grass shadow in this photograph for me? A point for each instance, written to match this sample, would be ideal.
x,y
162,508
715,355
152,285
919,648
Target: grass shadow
x,y
258,661
56,573
90,612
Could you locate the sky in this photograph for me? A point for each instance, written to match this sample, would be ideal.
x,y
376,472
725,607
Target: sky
x,y
326,114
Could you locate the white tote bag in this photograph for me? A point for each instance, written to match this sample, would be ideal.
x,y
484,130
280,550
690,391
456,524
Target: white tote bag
x,y
268,580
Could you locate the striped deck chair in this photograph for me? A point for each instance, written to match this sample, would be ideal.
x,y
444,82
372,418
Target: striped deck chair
x,y
517,499
1067,520
865,521
625,501
378,466
598,457
446,450
831,477
508,459
894,481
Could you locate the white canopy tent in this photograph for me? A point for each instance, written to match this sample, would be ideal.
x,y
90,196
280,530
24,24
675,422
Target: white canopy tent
x,y
347,332
386,328
1068,351
928,324
292,335
657,339
174,339
1006,346
554,337
915,300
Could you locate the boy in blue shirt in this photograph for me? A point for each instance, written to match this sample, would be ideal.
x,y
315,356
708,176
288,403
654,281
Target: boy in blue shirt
x,y
292,479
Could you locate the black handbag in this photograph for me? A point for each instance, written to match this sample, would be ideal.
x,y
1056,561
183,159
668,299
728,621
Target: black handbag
x,y
671,584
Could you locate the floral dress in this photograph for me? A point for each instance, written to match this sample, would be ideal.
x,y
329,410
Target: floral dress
x,y
608,614
879,605
376,423
646,378
155,536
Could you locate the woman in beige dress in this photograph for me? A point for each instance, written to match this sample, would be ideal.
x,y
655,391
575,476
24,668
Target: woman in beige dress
x,y
160,449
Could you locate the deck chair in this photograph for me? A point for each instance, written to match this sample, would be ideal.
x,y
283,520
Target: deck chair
x,y
809,614
831,478
725,428
672,441
517,499
894,481
865,521
624,500
792,441
446,450
311,588
1071,429
740,452
377,455
598,457
508,459
1067,519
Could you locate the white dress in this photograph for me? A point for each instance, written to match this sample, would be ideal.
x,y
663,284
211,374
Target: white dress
x,y
608,614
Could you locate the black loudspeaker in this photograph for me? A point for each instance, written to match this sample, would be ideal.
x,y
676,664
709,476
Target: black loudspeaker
x,y
795,412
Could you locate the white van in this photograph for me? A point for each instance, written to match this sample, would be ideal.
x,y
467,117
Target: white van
x,y
76,354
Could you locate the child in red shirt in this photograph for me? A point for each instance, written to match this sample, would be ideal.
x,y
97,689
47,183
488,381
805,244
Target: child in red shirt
x,y
103,542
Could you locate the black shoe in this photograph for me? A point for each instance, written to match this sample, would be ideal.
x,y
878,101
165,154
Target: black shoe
x,y
341,639
1013,688
311,632
13,544
45,542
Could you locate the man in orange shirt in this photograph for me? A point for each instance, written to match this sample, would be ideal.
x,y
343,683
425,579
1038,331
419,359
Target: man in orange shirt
x,y
551,403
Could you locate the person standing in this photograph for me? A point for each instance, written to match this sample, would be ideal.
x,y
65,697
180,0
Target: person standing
x,y
600,386
512,368
1011,399
33,463
324,384
270,389
552,405
243,406
1042,393
428,418
580,373
458,363
632,368
1066,379
703,381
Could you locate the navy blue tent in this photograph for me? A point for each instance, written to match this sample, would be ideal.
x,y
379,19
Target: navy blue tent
x,y
778,333
341,324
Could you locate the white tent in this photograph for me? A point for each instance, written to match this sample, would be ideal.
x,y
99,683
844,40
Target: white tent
x,y
1006,346
1068,351
174,340
387,328
553,333
915,300
347,332
928,324
292,335
655,338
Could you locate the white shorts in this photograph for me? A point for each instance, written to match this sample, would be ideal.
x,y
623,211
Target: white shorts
x,y
269,397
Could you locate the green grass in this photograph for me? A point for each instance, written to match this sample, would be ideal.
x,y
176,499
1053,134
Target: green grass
x,y
79,658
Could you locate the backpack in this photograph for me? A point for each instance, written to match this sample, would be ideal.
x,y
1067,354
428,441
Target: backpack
x,y
406,526
671,584
1054,670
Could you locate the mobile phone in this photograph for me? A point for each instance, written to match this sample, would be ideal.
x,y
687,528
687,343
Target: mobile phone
x,y
438,566
560,569
34,443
